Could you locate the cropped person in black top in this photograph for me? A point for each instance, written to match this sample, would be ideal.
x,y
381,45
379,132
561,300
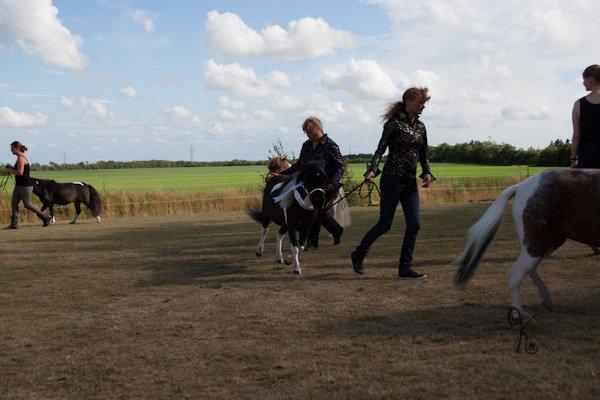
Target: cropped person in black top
x,y
405,136
585,148
23,186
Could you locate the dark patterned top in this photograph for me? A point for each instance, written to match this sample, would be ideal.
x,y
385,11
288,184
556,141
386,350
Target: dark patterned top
x,y
589,135
327,154
408,145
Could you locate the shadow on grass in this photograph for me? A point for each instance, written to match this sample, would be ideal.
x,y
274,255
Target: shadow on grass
x,y
469,321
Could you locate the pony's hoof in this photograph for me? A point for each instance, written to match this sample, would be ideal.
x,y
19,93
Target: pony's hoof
x,y
279,261
258,254
549,305
297,274
288,262
72,223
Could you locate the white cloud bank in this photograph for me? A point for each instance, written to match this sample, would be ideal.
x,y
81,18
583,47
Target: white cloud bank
x,y
128,91
15,119
307,37
35,27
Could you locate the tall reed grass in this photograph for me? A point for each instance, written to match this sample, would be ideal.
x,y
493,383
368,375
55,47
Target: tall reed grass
x,y
143,202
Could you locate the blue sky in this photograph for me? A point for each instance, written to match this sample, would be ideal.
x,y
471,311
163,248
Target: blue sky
x,y
130,80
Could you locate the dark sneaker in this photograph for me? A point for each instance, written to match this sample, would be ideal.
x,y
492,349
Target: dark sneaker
x,y
357,262
410,274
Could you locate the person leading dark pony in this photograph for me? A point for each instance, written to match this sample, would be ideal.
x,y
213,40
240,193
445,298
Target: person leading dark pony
x,y
320,148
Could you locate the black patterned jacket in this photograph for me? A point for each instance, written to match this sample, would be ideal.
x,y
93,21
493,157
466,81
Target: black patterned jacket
x,y
408,145
327,154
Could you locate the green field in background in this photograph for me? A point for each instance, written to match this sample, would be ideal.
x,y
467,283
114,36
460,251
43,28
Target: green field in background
x,y
213,178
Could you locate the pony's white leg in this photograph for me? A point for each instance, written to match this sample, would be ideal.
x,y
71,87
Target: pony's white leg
x,y
295,252
524,264
279,253
53,220
74,219
99,219
261,243
542,288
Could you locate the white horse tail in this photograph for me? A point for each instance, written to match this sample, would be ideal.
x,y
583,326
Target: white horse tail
x,y
341,209
481,235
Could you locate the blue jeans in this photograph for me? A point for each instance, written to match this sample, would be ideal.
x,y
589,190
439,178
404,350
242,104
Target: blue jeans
x,y
394,190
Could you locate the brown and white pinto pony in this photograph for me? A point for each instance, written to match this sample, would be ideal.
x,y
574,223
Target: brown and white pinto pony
x,y
549,208
276,165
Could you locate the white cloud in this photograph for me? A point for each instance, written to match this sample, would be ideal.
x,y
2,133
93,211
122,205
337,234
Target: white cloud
x,y
145,19
227,115
279,79
236,79
512,113
92,109
181,114
264,114
35,27
229,35
365,79
127,91
15,119
233,104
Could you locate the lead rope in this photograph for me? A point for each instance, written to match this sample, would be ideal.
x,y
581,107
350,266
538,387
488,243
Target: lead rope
x,y
370,185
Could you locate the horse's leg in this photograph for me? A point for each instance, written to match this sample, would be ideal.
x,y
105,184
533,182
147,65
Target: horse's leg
x,y
77,212
293,234
51,208
542,288
524,264
263,235
261,242
280,235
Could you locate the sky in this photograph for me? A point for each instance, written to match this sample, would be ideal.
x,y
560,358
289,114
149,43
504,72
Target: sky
x,y
207,80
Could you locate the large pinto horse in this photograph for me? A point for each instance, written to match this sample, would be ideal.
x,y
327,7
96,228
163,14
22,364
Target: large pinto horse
x,y
51,192
549,208
293,203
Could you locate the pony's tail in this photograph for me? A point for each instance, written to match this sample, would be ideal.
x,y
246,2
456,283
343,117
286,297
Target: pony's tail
x,y
481,235
255,213
95,201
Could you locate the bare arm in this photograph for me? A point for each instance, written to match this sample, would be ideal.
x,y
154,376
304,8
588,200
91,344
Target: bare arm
x,y
575,142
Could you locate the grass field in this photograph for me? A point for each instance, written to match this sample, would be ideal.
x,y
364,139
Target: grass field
x,y
214,178
179,307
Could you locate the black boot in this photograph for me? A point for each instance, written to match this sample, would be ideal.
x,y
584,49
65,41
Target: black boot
x,y
357,257
14,222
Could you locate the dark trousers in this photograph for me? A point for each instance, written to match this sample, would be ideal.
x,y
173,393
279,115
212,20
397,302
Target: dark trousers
x,y
328,222
394,190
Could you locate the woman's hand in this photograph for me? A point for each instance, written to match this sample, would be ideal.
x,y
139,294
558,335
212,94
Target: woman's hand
x,y
369,175
426,180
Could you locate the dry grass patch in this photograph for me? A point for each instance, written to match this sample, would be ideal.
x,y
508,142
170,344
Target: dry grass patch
x,y
179,307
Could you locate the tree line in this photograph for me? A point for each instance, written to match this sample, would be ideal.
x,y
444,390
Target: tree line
x,y
556,154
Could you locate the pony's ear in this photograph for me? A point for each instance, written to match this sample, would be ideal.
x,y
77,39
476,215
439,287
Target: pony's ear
x,y
269,157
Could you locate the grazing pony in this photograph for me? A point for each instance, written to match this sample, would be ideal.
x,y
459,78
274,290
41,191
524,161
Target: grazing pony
x,y
51,192
293,203
549,208
276,165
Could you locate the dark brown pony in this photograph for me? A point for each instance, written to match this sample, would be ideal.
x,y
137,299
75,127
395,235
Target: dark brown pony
x,y
293,203
51,192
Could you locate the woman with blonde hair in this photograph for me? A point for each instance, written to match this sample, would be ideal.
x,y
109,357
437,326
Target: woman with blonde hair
x,y
23,190
320,148
406,137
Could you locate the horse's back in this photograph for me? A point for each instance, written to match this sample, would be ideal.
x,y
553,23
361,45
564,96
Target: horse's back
x,y
565,204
